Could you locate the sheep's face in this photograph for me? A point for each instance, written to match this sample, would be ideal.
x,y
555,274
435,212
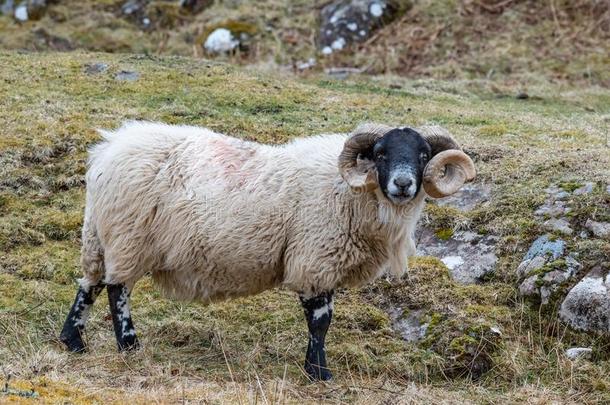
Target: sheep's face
x,y
400,157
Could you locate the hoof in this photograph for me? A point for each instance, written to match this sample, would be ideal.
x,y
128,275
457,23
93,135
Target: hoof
x,y
317,373
73,341
130,344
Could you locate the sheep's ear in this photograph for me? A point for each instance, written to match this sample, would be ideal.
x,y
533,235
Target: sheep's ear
x,y
360,173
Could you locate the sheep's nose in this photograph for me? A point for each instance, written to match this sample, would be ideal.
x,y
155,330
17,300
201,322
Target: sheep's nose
x,y
403,182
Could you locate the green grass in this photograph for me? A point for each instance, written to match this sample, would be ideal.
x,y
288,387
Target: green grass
x,y
250,349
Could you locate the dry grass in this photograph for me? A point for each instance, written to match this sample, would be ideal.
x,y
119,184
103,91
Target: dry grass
x,y
516,39
250,350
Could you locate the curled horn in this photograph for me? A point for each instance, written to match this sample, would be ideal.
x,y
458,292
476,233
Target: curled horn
x,y
359,173
449,167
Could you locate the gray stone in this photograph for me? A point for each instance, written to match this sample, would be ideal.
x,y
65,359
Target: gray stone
x,y
587,305
558,224
470,196
599,229
95,68
127,76
608,189
343,22
411,327
553,209
586,189
544,246
574,353
470,257
530,265
195,6
528,287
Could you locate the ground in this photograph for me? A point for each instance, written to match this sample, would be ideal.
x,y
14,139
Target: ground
x,y
484,344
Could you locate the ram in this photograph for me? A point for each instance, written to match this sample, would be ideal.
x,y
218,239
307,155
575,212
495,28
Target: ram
x,y
212,217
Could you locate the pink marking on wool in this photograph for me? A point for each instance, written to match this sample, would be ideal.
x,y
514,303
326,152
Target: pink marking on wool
x,y
232,155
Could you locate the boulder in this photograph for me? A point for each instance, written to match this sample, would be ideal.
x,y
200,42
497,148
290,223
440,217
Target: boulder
x,y
343,22
469,256
587,305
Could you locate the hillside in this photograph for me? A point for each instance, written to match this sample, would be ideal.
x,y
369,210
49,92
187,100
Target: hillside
x,y
516,40
483,342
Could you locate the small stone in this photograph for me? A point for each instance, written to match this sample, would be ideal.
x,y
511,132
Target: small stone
x,y
599,229
21,12
522,96
562,195
528,287
496,330
608,189
376,10
127,76
544,246
586,189
338,44
95,68
221,40
327,50
574,353
560,225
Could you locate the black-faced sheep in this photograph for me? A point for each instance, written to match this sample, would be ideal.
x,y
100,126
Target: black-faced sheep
x,y
213,217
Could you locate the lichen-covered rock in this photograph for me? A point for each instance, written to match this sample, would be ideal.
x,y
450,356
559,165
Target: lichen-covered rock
x,y
469,197
560,225
410,324
347,21
470,257
28,10
587,305
599,229
545,269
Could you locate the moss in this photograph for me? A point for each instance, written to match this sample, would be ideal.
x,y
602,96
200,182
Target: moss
x,y
570,186
444,234
493,130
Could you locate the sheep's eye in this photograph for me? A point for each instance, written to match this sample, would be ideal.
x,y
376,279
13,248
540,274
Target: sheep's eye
x,y
423,157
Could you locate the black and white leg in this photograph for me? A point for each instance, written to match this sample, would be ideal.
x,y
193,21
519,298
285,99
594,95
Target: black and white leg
x,y
74,327
118,298
318,312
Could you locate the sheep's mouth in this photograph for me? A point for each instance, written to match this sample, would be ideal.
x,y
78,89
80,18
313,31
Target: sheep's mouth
x,y
400,198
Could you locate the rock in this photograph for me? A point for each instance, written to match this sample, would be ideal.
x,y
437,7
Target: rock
x,y
528,287
530,265
522,96
220,40
127,76
21,12
544,246
95,68
133,7
553,209
574,353
348,21
411,327
541,282
608,189
305,65
469,197
587,305
558,224
7,7
599,229
586,189
469,256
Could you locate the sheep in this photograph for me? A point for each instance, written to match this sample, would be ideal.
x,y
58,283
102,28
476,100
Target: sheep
x,y
213,217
